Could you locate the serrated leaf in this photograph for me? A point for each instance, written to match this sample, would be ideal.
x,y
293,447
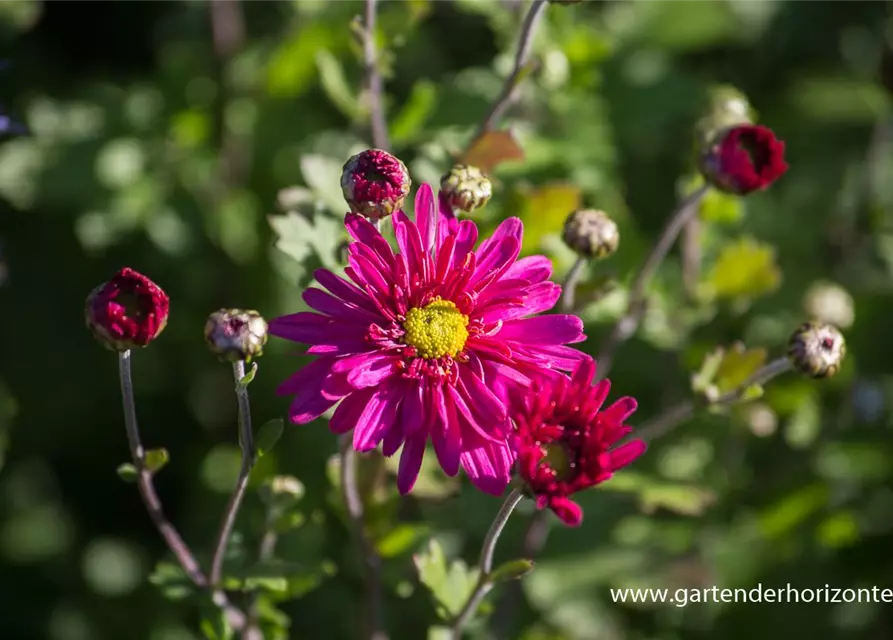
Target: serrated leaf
x,y
492,149
738,366
451,585
127,472
268,435
512,570
323,175
401,539
156,459
301,237
544,210
335,85
745,269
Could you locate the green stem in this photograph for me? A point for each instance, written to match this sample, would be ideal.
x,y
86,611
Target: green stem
x,y
246,438
484,584
569,288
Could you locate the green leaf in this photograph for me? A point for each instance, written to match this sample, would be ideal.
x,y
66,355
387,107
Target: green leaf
x,y
127,472
214,624
738,365
323,175
277,576
268,435
248,378
335,84
655,493
401,539
410,121
721,208
171,580
156,459
512,570
745,269
702,381
544,211
450,584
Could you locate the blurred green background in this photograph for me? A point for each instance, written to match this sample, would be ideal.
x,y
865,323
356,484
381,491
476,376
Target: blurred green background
x,y
161,145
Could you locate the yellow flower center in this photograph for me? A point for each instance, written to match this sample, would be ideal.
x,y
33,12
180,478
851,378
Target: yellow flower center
x,y
438,329
557,458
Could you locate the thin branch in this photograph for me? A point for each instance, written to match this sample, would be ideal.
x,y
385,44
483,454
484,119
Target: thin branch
x,y
266,549
628,324
356,515
169,533
684,411
510,88
484,583
569,288
374,84
246,438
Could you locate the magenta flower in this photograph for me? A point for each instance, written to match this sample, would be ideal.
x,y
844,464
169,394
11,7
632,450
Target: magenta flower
x,y
566,441
430,342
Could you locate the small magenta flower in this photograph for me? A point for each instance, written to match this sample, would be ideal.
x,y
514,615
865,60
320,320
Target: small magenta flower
x,y
128,311
743,159
429,343
817,349
564,439
465,188
591,233
236,334
374,183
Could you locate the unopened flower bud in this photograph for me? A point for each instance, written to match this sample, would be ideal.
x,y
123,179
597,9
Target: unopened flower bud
x,y
466,188
591,233
282,491
374,183
817,349
743,158
236,334
128,311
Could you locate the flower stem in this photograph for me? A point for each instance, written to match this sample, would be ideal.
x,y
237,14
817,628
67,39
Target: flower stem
x,y
510,88
684,411
484,584
168,532
356,515
374,85
628,324
246,438
265,552
569,288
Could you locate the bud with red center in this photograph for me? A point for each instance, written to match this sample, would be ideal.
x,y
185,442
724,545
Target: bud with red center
x,y
236,334
565,439
743,159
817,349
374,183
128,311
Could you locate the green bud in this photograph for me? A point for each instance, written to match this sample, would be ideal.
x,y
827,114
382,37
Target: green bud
x,y
817,349
236,334
466,188
591,233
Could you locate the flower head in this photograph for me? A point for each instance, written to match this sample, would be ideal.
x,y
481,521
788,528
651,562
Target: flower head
x,y
817,349
430,342
564,439
591,233
236,334
374,183
128,311
744,158
465,188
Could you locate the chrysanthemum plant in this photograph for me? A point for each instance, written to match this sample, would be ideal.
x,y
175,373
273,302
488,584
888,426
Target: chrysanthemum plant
x,y
433,342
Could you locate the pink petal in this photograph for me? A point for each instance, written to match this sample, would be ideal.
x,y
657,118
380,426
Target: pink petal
x,y
426,216
466,236
487,407
344,289
307,384
364,232
378,417
367,369
585,372
488,466
494,263
411,247
618,412
545,330
567,510
411,461
625,454
416,416
534,269
343,311
508,228
349,411
446,434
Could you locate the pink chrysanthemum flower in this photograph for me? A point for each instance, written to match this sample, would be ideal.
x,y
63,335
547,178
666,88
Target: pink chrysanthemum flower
x,y
429,342
565,440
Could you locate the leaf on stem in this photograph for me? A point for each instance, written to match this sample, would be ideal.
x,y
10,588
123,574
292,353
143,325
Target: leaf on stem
x,y
401,539
268,435
214,624
127,472
451,584
156,459
512,570
171,580
726,369
247,379
745,269
492,149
